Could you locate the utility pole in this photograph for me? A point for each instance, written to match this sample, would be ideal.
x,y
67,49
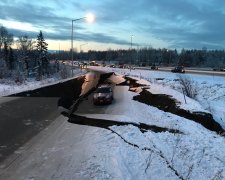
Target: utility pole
x,y
131,44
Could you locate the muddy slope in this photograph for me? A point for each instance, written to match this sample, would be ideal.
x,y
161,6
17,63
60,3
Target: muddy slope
x,y
104,77
68,88
66,91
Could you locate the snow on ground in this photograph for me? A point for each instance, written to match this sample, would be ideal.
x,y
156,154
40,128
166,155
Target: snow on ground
x,y
7,87
194,154
125,152
128,153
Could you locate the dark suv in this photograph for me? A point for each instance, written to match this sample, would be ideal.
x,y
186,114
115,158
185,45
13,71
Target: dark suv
x,y
103,95
178,69
154,67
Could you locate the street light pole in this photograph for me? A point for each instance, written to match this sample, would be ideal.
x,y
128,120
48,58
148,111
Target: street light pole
x,y
82,45
131,39
131,44
72,49
73,20
90,18
80,49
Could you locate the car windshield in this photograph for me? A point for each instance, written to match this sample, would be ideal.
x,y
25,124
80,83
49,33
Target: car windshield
x,y
103,90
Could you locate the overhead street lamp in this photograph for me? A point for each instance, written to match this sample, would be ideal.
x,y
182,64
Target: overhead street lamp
x,y
89,18
82,45
80,49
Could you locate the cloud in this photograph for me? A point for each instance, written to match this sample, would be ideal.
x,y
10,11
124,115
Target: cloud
x,y
183,23
94,37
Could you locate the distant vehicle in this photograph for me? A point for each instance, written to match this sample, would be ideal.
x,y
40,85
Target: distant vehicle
x,y
154,67
82,65
92,63
178,69
218,69
112,65
103,65
142,65
103,95
131,67
122,66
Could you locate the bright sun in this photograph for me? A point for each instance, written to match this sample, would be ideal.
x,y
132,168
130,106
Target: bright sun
x,y
90,17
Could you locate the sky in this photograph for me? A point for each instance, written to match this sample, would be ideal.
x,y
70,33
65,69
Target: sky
x,y
171,24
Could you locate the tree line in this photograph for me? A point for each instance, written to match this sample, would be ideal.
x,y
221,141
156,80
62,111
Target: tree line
x,y
29,59
150,56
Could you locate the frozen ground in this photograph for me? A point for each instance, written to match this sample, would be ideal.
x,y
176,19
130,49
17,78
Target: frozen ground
x,y
126,152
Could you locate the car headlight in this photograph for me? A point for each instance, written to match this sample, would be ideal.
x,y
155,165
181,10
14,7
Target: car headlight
x,y
108,96
95,95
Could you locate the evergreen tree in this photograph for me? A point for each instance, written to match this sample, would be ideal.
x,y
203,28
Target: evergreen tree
x,y
42,46
42,49
11,58
6,52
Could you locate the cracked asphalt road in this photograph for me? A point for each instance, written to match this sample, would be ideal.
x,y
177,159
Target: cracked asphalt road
x,y
61,144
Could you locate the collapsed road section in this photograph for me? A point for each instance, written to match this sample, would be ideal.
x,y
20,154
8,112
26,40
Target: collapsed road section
x,y
161,101
25,114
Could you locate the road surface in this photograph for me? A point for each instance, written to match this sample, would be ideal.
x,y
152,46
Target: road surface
x,y
22,118
187,71
62,149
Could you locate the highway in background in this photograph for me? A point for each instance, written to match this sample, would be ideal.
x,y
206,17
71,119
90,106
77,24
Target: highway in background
x,y
202,71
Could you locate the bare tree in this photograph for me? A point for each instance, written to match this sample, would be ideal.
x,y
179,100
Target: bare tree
x,y
25,44
25,47
188,86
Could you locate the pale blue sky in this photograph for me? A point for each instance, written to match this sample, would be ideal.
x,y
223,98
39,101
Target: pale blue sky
x,y
156,23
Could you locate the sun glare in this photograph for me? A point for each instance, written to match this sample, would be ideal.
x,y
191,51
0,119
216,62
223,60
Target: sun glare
x,y
90,17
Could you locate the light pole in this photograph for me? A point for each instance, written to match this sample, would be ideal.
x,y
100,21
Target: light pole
x,y
89,18
80,49
82,45
131,44
131,39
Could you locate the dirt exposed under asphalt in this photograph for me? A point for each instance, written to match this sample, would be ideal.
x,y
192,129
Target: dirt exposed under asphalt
x,y
102,123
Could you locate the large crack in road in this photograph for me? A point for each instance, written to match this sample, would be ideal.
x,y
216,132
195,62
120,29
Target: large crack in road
x,y
26,114
106,124
168,104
